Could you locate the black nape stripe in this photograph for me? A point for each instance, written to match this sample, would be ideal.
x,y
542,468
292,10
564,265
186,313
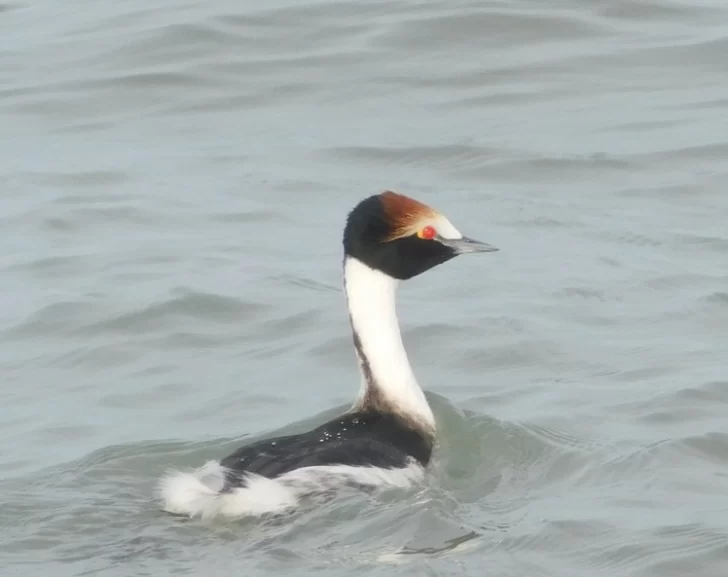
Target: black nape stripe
x,y
364,361
374,398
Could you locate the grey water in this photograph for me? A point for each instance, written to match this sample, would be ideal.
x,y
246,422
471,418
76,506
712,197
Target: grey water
x,y
174,181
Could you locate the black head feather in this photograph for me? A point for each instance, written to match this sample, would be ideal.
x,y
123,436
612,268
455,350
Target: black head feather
x,y
371,225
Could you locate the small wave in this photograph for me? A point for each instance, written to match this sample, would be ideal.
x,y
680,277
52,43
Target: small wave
x,y
187,304
443,156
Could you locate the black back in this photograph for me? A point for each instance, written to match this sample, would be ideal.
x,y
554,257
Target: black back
x,y
367,229
358,439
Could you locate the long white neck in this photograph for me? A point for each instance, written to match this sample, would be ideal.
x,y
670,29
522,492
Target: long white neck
x,y
388,382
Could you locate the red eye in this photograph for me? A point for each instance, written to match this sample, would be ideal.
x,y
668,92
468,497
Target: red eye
x,y
428,232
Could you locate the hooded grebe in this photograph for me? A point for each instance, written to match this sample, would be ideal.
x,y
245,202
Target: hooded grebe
x,y
386,438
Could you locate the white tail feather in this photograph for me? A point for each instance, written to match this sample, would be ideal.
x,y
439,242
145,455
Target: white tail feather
x,y
198,493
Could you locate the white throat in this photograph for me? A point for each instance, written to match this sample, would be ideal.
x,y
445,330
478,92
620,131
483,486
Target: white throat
x,y
387,377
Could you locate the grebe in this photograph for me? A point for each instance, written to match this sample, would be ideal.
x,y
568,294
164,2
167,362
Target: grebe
x,y
386,438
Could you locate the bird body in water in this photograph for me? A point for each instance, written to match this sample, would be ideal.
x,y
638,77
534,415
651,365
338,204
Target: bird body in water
x,y
387,437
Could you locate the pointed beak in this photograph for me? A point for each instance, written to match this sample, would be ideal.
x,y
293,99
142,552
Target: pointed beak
x,y
466,245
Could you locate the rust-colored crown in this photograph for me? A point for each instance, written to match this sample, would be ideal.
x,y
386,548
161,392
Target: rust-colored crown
x,y
404,214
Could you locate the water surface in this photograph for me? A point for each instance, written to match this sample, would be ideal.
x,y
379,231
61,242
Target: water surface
x,y
175,178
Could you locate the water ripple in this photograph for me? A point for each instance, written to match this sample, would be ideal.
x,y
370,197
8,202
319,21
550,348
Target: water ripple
x,y
175,178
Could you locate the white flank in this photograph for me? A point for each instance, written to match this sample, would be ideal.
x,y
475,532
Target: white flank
x,y
198,494
371,296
